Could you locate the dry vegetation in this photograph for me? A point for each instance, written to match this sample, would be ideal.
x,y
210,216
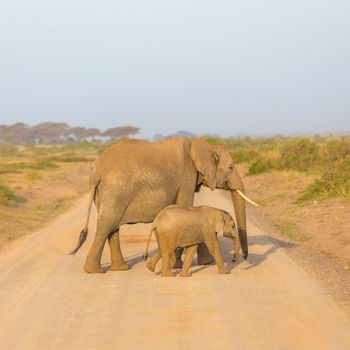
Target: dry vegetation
x,y
39,182
303,186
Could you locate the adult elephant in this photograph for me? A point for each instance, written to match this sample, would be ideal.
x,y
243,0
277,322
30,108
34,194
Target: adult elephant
x,y
133,180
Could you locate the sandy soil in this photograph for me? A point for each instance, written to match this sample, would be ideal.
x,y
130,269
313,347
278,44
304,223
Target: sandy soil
x,y
318,233
43,200
267,302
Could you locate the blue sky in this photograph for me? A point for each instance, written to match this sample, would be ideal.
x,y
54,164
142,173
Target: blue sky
x,y
220,67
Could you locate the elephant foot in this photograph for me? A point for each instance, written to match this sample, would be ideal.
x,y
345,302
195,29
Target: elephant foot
x,y
167,274
234,258
223,271
93,268
149,264
119,266
184,274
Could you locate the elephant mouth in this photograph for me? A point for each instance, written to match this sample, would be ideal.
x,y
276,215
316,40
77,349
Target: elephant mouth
x,y
246,198
225,186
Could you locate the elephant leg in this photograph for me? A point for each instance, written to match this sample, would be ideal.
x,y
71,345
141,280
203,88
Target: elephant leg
x,y
215,250
189,254
118,263
184,198
106,223
152,262
204,257
93,260
166,272
175,258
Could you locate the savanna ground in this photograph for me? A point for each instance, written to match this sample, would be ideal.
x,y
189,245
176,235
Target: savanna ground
x,y
39,182
302,185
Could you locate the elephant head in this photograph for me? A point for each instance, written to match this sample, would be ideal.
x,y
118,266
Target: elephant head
x,y
217,170
227,228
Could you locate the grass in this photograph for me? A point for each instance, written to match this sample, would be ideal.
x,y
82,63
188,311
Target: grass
x,y
31,175
21,166
300,154
325,157
270,199
244,155
260,165
290,230
7,196
18,167
335,182
39,182
68,159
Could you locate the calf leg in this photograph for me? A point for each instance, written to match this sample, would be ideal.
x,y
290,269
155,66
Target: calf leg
x,y
204,257
175,258
214,249
189,254
166,272
152,262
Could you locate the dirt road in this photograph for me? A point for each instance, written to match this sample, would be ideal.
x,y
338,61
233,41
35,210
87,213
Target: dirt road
x,y
267,302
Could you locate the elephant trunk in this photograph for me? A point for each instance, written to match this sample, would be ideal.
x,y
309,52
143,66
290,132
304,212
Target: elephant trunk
x,y
236,245
235,183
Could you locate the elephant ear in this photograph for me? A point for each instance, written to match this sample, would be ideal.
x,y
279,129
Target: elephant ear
x,y
206,161
223,224
219,227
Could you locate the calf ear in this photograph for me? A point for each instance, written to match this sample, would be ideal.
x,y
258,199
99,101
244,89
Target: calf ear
x,y
205,160
219,225
228,222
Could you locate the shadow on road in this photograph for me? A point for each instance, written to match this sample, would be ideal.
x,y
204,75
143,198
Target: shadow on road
x,y
254,259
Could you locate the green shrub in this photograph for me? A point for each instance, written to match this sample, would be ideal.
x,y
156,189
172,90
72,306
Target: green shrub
x,y
84,146
243,155
259,166
213,140
335,182
336,150
18,167
7,196
12,167
42,164
68,159
300,154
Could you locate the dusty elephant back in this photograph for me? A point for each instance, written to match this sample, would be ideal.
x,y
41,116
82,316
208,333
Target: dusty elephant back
x,y
132,157
183,218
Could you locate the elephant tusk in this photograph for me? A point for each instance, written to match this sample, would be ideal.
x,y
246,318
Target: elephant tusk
x,y
246,198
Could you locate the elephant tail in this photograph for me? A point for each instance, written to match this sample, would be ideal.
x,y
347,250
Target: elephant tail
x,y
145,256
84,232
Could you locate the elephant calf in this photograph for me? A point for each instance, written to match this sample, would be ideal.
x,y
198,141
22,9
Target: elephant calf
x,y
186,227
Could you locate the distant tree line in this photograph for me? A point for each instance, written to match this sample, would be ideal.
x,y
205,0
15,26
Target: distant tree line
x,y
55,133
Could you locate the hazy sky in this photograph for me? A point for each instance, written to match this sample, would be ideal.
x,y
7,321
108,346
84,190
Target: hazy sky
x,y
223,67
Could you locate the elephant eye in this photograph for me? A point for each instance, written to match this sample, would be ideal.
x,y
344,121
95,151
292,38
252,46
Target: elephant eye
x,y
230,167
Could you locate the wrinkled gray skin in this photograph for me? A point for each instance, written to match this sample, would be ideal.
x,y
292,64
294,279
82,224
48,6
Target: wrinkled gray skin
x,y
186,227
133,180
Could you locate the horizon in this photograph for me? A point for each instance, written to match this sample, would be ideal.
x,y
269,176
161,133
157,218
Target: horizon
x,y
174,133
